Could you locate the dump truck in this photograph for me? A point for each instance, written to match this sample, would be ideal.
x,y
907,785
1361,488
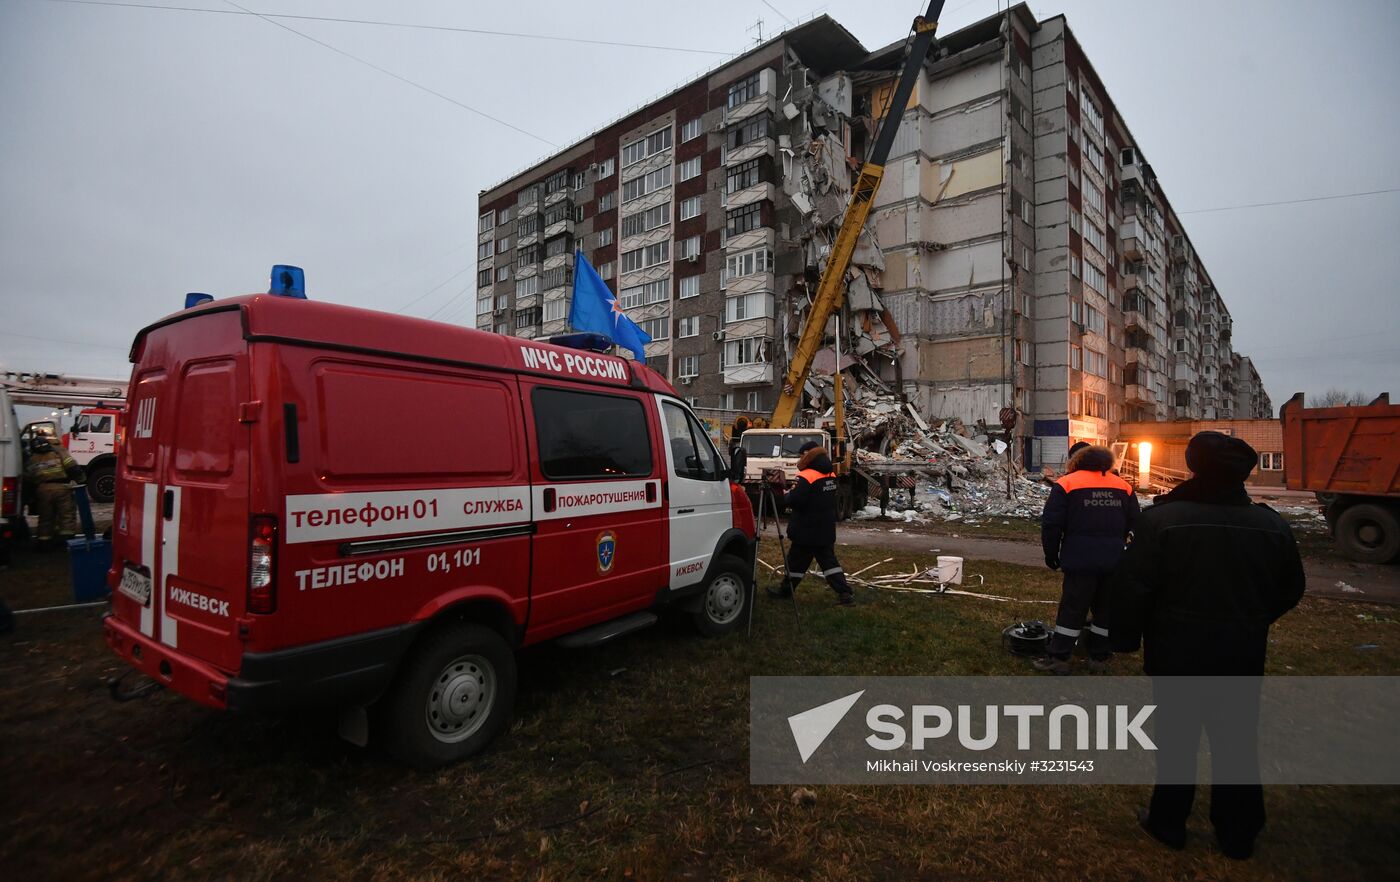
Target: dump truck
x,y
1349,457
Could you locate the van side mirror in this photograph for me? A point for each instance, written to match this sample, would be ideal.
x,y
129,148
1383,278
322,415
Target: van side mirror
x,y
738,461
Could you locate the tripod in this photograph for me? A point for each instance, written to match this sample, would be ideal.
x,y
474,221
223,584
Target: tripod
x,y
768,503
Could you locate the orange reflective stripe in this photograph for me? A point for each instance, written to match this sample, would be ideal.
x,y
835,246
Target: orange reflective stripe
x,y
1083,480
812,476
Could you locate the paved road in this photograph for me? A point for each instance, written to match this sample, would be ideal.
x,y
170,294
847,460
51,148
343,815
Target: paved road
x,y
1372,581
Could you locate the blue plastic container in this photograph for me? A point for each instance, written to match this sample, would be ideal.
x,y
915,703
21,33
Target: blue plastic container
x,y
89,556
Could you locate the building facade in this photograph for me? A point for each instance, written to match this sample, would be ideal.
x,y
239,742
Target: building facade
x,y
1020,251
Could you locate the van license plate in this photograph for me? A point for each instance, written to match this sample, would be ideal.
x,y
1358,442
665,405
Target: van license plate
x,y
136,585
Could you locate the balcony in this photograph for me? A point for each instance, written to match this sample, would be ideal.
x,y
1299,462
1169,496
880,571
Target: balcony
x,y
1139,395
563,227
1139,356
748,374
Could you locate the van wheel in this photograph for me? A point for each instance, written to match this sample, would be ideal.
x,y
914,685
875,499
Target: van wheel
x,y
451,698
725,598
102,483
1369,533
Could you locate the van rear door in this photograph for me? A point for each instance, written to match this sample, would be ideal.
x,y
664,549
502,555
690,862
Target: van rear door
x,y
181,518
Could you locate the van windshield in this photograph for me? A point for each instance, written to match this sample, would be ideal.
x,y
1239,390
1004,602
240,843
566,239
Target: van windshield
x,y
786,444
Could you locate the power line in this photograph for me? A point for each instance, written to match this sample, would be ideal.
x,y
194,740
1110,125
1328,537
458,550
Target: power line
x,y
778,11
471,286
398,24
1292,201
88,343
390,73
436,287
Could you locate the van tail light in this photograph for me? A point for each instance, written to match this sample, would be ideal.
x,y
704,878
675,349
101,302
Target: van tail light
x,y
743,511
262,565
9,497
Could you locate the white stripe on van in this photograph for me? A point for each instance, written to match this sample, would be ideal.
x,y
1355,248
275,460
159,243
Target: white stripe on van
x,y
149,520
595,497
321,516
169,562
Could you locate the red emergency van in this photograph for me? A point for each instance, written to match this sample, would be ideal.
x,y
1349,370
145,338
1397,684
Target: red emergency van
x,y
326,506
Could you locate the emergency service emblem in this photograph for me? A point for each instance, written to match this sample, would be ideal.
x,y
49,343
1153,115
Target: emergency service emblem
x,y
607,551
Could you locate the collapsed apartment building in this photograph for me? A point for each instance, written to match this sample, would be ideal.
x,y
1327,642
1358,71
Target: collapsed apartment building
x,y
1020,252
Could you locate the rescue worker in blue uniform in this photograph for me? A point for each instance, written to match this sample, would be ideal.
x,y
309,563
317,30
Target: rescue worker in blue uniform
x,y
812,525
1083,528
1206,573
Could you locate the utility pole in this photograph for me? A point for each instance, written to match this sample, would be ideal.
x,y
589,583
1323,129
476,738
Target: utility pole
x,y
757,26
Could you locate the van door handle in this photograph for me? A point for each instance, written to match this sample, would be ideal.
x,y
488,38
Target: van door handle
x,y
168,504
685,511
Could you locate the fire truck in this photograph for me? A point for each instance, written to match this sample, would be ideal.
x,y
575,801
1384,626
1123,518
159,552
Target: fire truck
x,y
269,553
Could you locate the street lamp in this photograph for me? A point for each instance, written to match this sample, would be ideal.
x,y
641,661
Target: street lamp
x,y
1145,463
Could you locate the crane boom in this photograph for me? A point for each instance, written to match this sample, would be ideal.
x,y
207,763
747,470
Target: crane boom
x,y
831,290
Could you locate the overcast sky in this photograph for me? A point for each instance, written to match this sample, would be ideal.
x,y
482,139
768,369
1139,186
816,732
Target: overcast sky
x,y
145,153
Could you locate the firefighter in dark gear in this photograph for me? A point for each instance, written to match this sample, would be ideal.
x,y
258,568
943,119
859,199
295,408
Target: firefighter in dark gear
x,y
49,469
1086,520
812,525
1206,573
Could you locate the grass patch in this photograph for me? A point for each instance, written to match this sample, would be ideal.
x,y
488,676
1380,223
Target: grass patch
x,y
627,761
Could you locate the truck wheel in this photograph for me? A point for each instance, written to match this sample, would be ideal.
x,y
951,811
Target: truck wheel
x,y
102,483
452,697
1369,533
723,602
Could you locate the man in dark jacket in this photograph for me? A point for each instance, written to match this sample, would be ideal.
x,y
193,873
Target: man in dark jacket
x,y
812,525
1086,520
1207,572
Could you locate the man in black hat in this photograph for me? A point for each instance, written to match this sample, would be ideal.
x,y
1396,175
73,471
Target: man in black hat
x,y
812,525
1205,574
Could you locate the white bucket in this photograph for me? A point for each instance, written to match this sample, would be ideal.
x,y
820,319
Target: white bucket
x,y
949,570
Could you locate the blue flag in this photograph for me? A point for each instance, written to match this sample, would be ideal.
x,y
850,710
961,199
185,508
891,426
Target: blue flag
x,y
594,308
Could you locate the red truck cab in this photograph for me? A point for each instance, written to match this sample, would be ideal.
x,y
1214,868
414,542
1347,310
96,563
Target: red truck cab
x,y
326,506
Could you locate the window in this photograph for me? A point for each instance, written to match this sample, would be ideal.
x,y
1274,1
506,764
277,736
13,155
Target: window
x,y
607,201
605,237
557,246
1027,214
487,221
743,219
749,350
483,278
606,168
1076,357
1076,312
1093,197
527,287
527,318
647,183
503,245
690,208
1094,278
690,287
649,146
746,133
1093,154
557,277
528,196
1025,352
760,260
1075,222
1076,404
747,306
1094,236
1095,405
483,250
641,258
640,295
483,306
555,310
743,90
503,273
1074,133
657,328
605,270
502,301
688,169
753,400
528,226
642,221
692,454
689,364
689,326
1074,265
502,328
688,248
1027,260
1095,363
505,214
556,182
586,435
1093,319
745,174
576,183
691,129
556,213
578,213
528,255
1093,117
1180,344
1271,462
1074,175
